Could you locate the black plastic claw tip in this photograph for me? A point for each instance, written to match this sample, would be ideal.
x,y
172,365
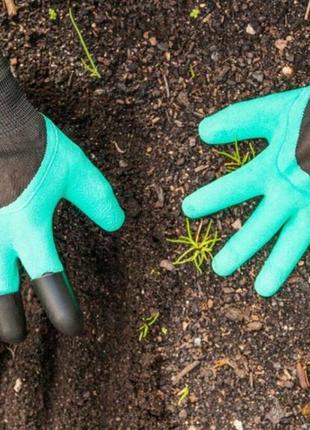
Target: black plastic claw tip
x,y
60,302
12,318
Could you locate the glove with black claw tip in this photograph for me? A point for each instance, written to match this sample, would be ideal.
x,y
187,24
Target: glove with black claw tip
x,y
280,173
39,166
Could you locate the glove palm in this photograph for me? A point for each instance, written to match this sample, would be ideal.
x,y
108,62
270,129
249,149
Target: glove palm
x,y
280,174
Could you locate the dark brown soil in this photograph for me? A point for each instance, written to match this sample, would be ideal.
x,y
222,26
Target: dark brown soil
x,y
139,124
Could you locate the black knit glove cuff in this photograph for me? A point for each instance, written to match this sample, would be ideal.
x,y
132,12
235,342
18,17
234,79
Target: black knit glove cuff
x,y
4,68
15,111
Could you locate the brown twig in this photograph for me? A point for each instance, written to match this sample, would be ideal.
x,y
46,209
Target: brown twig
x,y
10,7
301,370
187,369
166,86
307,11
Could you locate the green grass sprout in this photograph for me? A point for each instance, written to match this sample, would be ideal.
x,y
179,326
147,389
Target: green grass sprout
x,y
183,394
88,64
164,330
199,247
192,71
148,322
237,160
52,14
194,13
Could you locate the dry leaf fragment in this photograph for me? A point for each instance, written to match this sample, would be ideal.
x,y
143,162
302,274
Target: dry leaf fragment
x,y
301,369
166,264
254,326
226,361
305,410
10,6
281,44
307,11
240,371
223,362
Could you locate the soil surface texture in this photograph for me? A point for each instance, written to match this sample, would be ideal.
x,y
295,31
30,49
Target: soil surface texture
x,y
164,67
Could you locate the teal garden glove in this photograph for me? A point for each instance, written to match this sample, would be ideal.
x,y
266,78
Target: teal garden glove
x,y
39,166
280,174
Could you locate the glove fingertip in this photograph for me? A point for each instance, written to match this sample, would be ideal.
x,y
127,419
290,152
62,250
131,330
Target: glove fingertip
x,y
188,208
114,221
224,264
211,131
192,206
219,270
205,131
266,287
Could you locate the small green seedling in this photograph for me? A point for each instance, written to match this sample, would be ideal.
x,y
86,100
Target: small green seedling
x,y
148,322
164,330
52,14
183,394
88,64
194,13
199,248
237,160
192,71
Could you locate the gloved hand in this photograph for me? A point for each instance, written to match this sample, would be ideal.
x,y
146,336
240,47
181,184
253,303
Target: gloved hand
x,y
280,174
39,165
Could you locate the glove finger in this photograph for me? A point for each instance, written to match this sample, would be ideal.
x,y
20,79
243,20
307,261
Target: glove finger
x,y
90,191
266,220
60,303
288,250
12,316
229,190
37,250
246,120
39,256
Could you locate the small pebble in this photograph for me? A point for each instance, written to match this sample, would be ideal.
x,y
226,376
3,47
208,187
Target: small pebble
x,y
166,264
238,425
180,162
123,163
197,341
153,41
288,71
258,76
98,91
250,30
18,385
281,44
215,56
254,326
192,142
236,225
183,413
